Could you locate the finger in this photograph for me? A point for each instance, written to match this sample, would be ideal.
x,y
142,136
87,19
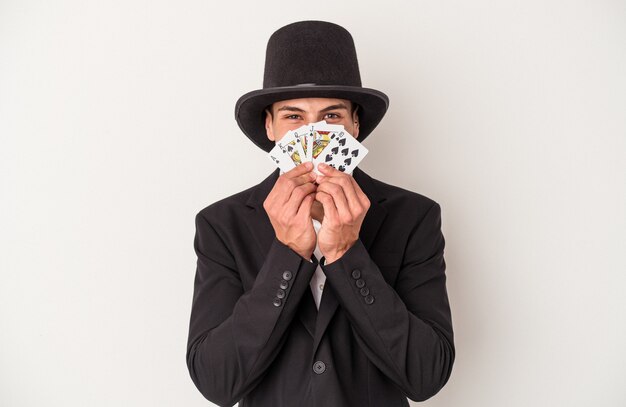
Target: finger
x,y
328,172
360,194
290,208
286,184
345,182
339,198
330,210
304,178
299,170
307,203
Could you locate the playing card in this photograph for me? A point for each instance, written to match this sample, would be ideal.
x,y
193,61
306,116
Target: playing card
x,y
291,146
318,142
281,160
302,133
321,135
313,135
343,152
326,126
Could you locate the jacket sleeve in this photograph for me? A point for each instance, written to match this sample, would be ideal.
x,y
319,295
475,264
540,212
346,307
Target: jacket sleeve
x,y
407,331
235,335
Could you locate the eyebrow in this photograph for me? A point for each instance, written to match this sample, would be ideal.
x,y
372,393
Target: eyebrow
x,y
335,107
326,109
290,108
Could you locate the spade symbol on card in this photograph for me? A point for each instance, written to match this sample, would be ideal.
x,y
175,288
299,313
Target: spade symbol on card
x,y
329,157
347,161
342,142
355,153
342,168
344,152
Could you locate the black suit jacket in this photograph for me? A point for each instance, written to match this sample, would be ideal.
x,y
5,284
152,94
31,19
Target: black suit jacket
x,y
383,331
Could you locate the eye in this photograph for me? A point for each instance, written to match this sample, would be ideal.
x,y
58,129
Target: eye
x,y
293,116
332,115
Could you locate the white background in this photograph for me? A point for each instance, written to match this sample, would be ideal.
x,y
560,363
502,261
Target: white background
x,y
117,127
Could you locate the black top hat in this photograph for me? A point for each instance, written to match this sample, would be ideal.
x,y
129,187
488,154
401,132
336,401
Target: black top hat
x,y
309,59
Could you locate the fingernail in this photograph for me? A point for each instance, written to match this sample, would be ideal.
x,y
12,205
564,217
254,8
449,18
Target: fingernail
x,y
322,165
308,164
313,175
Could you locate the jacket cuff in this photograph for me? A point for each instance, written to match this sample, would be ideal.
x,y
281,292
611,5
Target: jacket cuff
x,y
357,280
284,275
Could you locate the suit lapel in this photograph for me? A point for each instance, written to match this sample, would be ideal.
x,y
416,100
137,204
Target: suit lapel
x,y
261,229
258,222
308,313
376,213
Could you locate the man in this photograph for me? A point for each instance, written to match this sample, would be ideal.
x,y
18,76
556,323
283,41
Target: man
x,y
318,290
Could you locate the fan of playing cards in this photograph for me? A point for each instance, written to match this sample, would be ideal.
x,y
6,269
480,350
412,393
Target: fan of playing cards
x,y
320,143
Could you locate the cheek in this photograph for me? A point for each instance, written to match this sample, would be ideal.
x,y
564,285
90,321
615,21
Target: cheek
x,y
281,130
277,135
349,126
355,131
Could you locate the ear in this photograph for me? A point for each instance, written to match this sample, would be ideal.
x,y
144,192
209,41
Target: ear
x,y
268,125
355,121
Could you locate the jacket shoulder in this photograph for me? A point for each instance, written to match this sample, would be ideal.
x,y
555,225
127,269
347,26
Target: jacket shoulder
x,y
225,208
398,197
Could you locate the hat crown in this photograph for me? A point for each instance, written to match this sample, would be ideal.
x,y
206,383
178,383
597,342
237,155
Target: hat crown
x,y
311,52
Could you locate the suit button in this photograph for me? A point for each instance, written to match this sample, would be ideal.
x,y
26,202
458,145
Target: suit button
x,y
319,367
365,291
360,283
369,299
284,284
356,274
280,293
277,302
287,275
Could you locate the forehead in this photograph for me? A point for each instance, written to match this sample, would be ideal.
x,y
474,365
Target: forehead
x,y
312,104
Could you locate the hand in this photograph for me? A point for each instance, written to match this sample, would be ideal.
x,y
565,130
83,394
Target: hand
x,y
345,206
288,206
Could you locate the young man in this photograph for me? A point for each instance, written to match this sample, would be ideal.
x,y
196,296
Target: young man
x,y
318,290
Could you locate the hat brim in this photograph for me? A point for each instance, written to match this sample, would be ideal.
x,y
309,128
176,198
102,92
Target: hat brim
x,y
249,109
